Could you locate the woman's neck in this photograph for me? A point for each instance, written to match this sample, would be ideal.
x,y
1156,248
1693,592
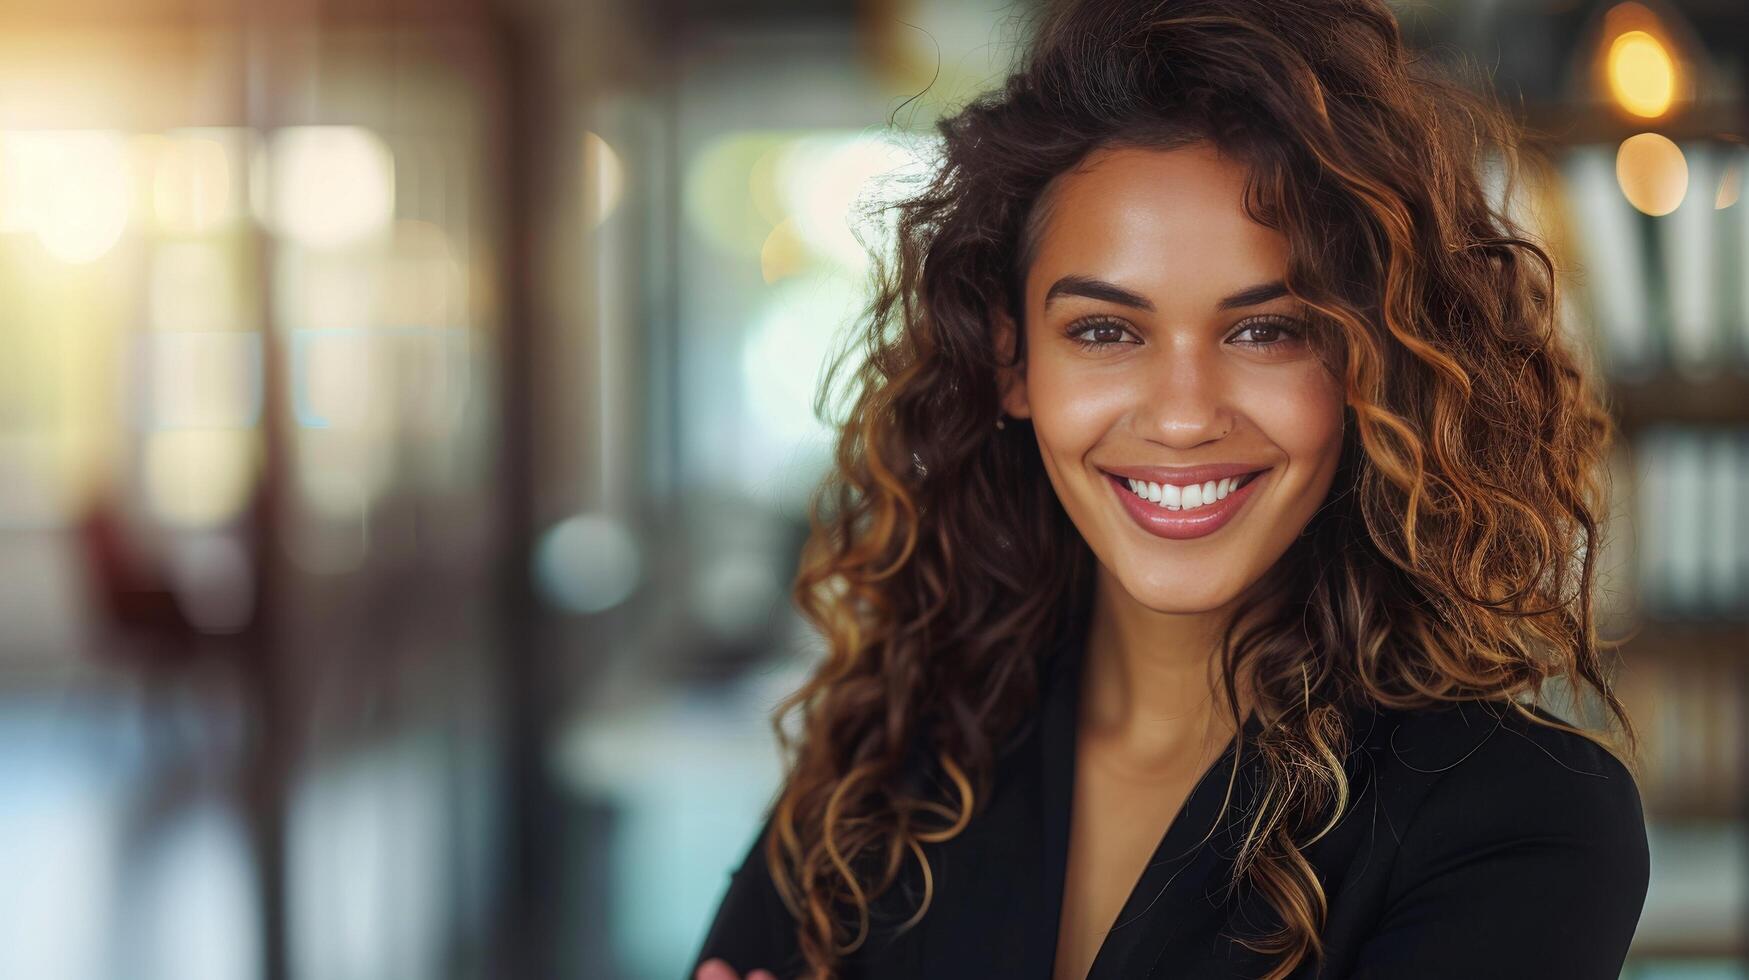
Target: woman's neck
x,y
1151,686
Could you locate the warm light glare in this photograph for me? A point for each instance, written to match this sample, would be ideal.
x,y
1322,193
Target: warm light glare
x,y
720,200
329,185
73,189
1730,187
834,186
783,253
1642,75
1652,172
603,179
194,183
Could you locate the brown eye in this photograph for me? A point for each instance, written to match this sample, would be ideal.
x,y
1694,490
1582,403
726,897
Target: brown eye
x,y
1271,331
1097,333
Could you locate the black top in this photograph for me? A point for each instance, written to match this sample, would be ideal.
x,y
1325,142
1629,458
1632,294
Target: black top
x,y
1476,844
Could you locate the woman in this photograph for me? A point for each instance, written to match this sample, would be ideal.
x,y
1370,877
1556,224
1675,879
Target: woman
x,y
1218,504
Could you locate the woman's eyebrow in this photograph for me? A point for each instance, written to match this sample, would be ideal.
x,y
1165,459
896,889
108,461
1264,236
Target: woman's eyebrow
x,y
1099,289
1096,289
1253,295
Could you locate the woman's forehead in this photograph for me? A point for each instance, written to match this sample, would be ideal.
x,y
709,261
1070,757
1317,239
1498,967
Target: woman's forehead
x,y
1171,222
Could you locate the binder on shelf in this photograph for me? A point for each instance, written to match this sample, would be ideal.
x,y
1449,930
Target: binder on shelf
x,y
1687,244
1607,247
1652,508
1724,537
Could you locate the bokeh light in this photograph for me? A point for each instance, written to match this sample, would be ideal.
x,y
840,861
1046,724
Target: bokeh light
x,y
195,180
723,203
827,186
1730,186
783,254
834,186
786,350
587,563
604,179
1652,172
329,185
1642,75
73,189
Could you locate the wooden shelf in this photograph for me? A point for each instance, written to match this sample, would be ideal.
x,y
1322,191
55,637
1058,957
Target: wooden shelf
x,y
1562,125
1667,815
1722,400
1688,640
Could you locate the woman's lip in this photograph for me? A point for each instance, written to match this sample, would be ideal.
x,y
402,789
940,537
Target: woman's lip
x,y
1185,475
1181,524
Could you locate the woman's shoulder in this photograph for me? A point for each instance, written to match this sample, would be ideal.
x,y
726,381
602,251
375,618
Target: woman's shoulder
x,y
1496,745
1484,818
1473,775
1477,818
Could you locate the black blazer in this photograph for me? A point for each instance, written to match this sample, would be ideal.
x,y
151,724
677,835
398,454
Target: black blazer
x,y
1476,845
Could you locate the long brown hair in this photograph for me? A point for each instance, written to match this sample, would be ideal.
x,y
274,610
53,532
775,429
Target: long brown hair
x,y
1454,558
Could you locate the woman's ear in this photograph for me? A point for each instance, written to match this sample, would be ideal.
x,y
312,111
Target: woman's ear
x,y
1011,381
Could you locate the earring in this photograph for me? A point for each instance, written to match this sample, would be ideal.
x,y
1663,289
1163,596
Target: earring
x,y
1001,422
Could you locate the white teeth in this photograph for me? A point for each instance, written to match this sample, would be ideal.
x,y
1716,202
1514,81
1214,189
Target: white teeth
x,y
1187,497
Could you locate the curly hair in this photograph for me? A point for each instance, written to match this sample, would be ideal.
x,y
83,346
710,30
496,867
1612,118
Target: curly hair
x,y
1454,557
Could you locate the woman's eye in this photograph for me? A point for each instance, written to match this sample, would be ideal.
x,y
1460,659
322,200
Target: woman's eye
x,y
1097,333
1271,332
1264,333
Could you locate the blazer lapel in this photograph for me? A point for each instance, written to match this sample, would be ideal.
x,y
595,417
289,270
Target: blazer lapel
x,y
1174,914
998,884
1174,910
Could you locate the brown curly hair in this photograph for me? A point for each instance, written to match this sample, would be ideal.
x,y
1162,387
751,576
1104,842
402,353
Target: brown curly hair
x,y
1454,557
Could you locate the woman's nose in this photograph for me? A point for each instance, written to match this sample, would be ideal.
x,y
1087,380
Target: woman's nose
x,y
1187,401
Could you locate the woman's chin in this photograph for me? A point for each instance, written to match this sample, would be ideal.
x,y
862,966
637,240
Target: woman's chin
x,y
1179,597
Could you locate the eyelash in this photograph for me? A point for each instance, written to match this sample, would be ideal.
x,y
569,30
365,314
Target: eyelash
x,y
1286,325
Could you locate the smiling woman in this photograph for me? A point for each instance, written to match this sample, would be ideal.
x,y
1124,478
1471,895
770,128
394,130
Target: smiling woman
x,y
1218,502
1159,331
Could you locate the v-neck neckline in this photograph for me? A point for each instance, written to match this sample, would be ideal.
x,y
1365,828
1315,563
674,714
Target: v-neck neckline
x,y
1185,844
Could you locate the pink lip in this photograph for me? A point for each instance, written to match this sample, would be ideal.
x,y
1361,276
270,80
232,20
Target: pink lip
x,y
1184,475
1179,525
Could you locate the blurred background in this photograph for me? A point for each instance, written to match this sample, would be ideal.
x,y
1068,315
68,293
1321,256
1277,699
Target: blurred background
x,y
405,434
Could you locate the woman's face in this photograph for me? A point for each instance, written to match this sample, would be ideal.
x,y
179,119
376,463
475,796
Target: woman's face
x,y
1197,359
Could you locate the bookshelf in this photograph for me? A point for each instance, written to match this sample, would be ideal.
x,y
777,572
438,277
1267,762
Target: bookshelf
x,y
1663,304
